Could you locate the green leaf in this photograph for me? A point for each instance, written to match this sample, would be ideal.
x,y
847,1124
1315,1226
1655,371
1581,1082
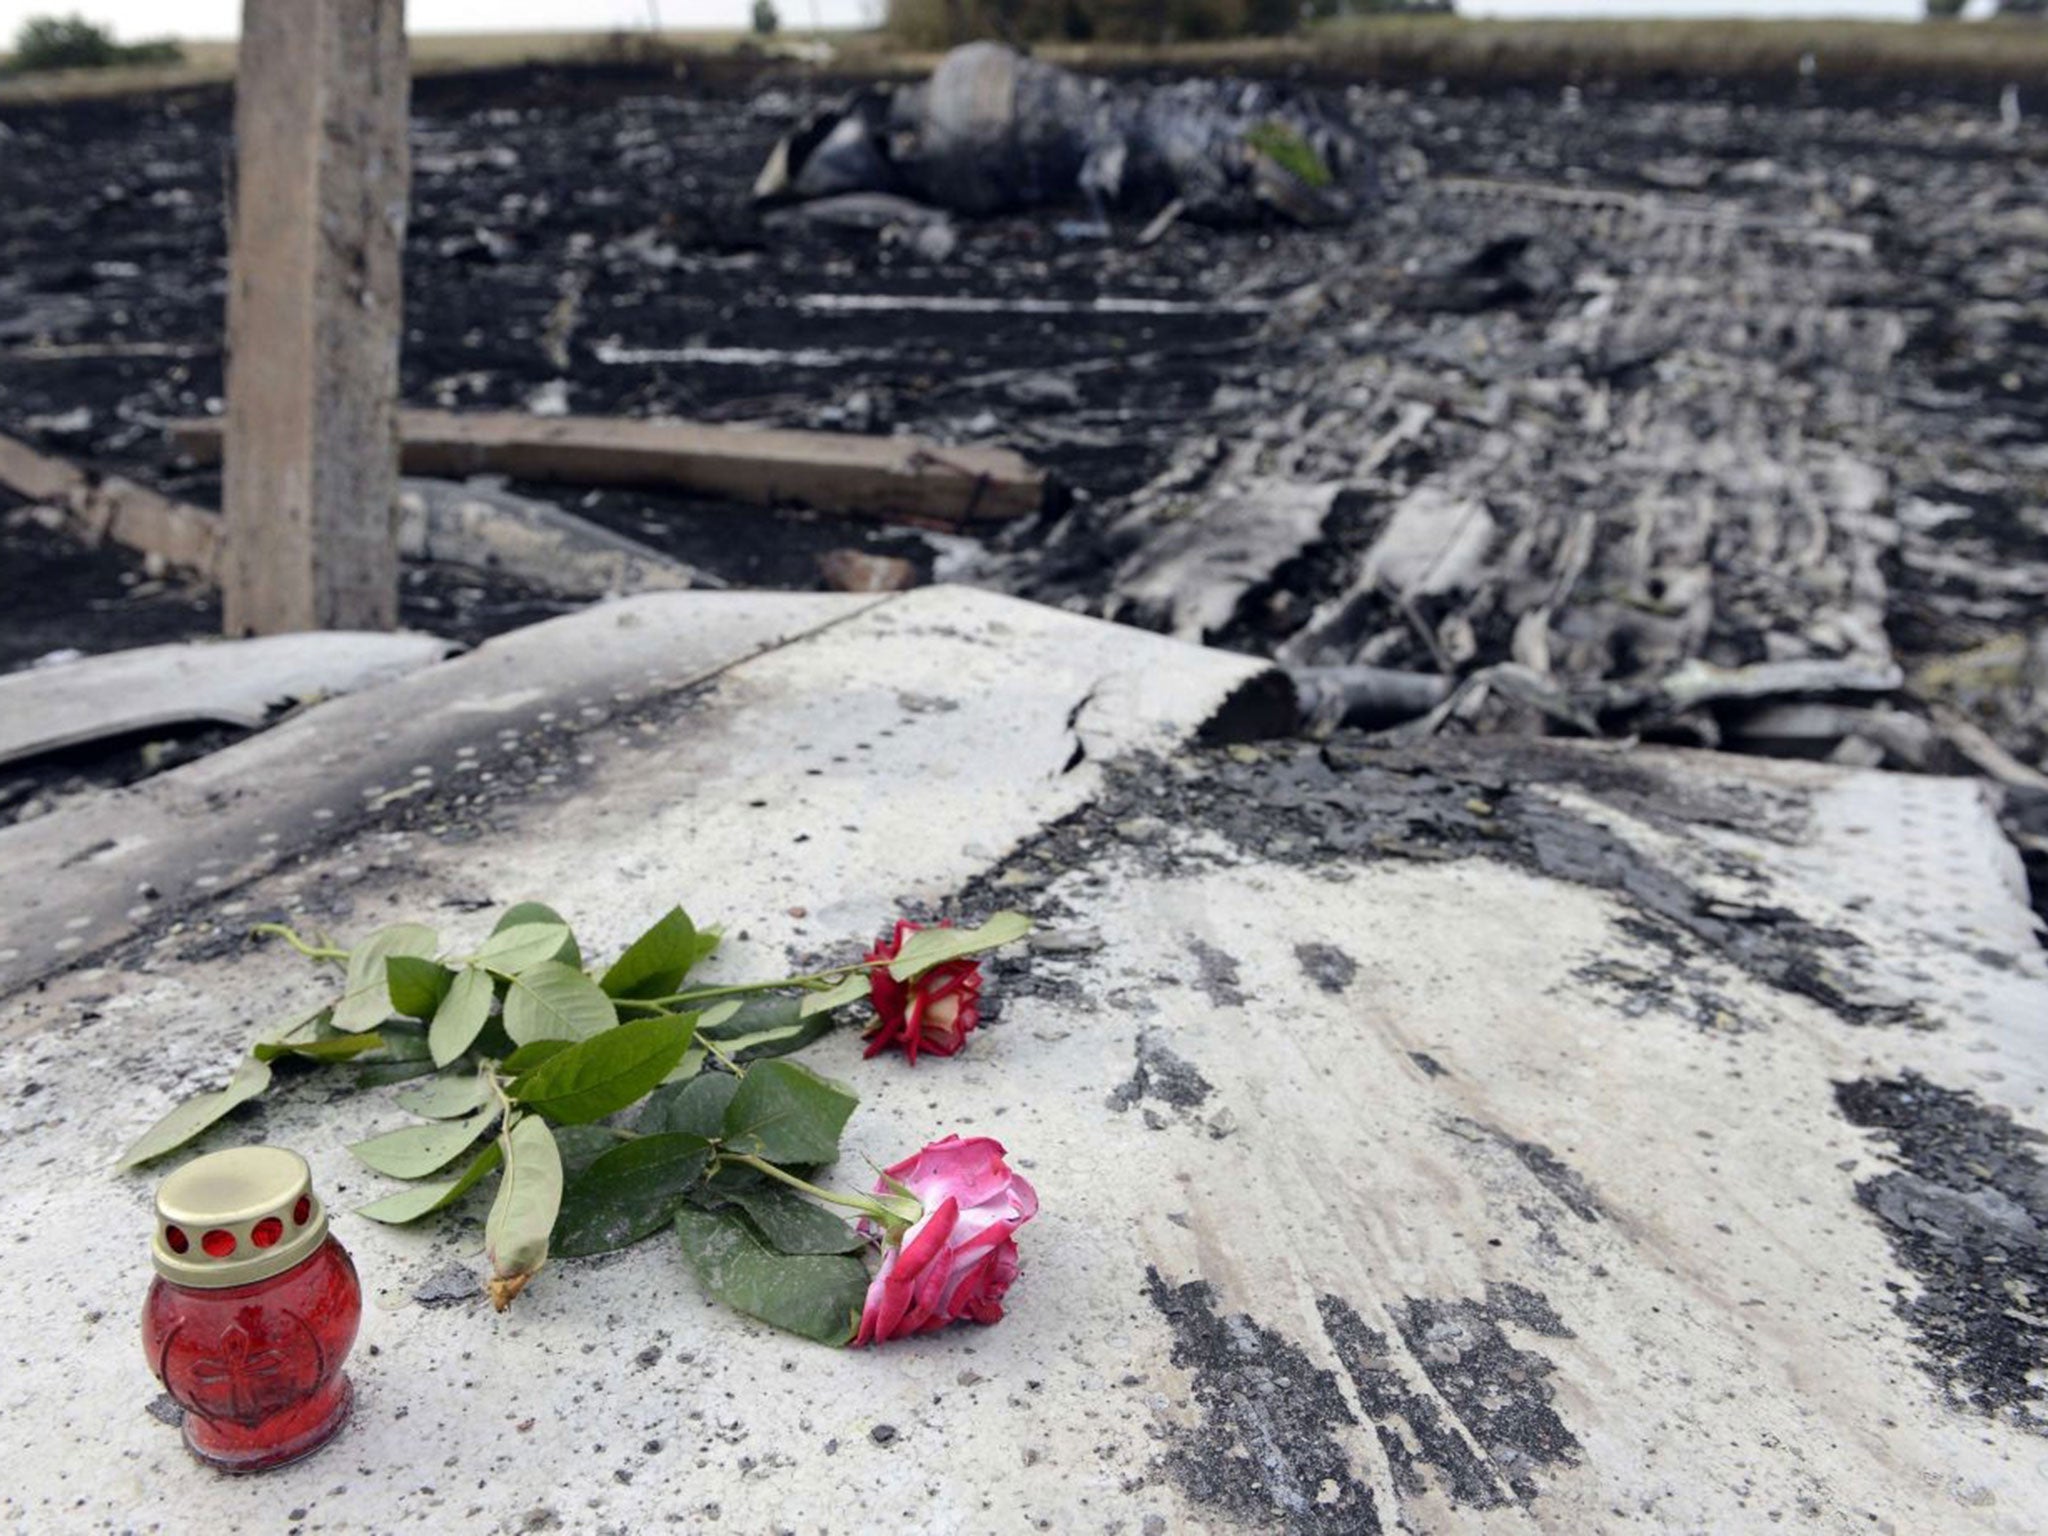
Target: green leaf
x,y
461,1016
382,1074
628,1193
935,946
366,1002
792,1224
417,986
304,1030
424,1199
541,912
522,946
338,1048
817,1296
529,1196
403,1056
582,1145
854,989
695,1057
418,1150
717,1015
446,1098
696,1108
655,964
749,1016
553,1001
194,1115
527,1057
596,1077
760,1027
403,1041
779,1041
786,1113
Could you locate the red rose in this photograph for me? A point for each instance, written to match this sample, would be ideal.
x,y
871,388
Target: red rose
x,y
959,1256
935,1012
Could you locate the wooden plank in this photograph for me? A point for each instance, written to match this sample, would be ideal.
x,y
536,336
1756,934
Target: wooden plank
x,y
311,484
882,477
108,507
552,550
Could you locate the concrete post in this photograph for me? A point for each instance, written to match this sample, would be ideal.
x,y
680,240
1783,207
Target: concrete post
x,y
311,480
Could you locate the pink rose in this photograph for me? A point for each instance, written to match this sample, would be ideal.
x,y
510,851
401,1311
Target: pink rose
x,y
936,1012
959,1256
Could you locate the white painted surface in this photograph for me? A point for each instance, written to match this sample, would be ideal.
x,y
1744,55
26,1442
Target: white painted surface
x,y
1732,1364
211,682
941,726
92,873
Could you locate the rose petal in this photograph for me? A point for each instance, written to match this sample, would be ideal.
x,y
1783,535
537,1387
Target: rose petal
x,y
960,1258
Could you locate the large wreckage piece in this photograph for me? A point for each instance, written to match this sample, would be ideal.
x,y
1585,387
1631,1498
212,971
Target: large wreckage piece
x,y
1612,1139
1599,463
993,131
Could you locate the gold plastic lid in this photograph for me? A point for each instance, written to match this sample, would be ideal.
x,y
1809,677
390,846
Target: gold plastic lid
x,y
234,1217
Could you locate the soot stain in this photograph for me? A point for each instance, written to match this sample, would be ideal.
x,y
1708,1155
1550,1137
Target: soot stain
x,y
1661,973
1326,965
1499,1393
1216,975
1349,802
1565,1184
1392,1402
1966,1211
1267,1448
1161,1075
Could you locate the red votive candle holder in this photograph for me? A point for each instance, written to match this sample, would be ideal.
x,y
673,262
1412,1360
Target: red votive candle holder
x,y
253,1309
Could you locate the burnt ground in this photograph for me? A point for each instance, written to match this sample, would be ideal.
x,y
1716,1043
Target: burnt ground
x,y
1738,374
562,221
591,230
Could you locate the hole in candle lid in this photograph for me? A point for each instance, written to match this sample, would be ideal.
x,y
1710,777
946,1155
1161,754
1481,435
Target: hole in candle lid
x,y
218,1243
303,1211
266,1232
176,1240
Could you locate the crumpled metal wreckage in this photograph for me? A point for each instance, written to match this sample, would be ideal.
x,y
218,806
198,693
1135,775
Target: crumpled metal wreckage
x,y
993,131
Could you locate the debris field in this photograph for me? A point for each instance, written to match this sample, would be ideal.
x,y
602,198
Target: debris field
x,y
1710,415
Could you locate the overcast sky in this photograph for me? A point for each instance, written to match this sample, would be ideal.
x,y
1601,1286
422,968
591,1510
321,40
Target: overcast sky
x,y
132,19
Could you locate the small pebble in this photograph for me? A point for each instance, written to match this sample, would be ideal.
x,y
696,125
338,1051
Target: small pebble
x,y
1066,941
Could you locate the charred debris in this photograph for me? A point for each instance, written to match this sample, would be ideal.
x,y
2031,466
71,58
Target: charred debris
x,y
1708,414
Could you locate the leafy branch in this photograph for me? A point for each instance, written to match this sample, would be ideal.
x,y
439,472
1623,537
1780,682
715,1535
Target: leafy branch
x,y
518,1046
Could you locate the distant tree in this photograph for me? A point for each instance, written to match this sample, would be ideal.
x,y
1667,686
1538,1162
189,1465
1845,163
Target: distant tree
x,y
1945,10
72,42
765,18
63,42
1270,18
1323,10
2035,8
943,23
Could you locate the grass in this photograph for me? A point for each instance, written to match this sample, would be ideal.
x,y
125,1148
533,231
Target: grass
x,y
1555,51
212,61
1552,51
1364,48
1559,49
